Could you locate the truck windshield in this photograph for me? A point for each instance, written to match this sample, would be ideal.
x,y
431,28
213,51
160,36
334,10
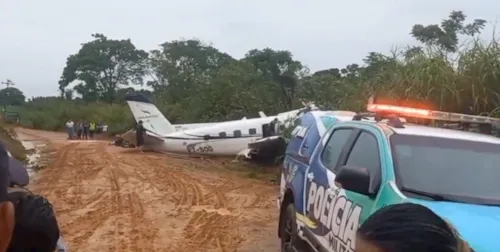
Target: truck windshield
x,y
468,171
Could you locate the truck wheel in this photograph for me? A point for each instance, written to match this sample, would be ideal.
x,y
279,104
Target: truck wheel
x,y
289,232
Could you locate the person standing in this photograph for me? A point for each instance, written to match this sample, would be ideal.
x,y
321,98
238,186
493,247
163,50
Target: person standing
x,y
92,128
139,135
272,127
70,128
7,212
86,130
79,129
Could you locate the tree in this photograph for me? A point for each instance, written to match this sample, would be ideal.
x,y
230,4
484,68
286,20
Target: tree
x,y
11,96
280,67
101,66
182,66
446,36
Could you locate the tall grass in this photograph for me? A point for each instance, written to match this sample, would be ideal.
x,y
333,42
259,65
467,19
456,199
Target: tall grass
x,y
448,82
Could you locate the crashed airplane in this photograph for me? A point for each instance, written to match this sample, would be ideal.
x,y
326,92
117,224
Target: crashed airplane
x,y
229,138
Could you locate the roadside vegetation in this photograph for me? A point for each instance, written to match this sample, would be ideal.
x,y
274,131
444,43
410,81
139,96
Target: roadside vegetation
x,y
450,69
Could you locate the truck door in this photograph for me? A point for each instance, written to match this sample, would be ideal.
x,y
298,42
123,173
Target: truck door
x,y
339,212
365,153
318,181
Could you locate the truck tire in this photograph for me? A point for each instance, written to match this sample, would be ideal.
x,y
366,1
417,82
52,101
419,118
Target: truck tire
x,y
289,231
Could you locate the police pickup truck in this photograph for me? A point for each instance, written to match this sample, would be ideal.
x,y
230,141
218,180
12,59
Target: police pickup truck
x,y
339,170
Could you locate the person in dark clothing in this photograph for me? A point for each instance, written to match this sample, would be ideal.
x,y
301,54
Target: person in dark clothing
x,y
86,126
272,127
36,227
79,129
7,212
139,135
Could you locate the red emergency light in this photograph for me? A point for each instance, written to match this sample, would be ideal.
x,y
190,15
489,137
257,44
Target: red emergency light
x,y
428,114
408,111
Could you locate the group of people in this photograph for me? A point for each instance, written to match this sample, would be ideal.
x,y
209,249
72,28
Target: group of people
x,y
82,129
27,220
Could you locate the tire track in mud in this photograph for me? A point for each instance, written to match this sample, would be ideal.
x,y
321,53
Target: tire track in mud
x,y
83,165
100,202
56,173
137,233
114,200
210,224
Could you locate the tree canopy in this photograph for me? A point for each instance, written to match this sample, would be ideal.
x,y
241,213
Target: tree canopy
x,y
102,66
11,95
192,81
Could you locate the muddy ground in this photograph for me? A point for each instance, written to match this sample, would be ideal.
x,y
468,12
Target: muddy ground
x,y
109,198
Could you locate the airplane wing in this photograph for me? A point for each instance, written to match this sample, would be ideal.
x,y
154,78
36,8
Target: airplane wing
x,y
262,115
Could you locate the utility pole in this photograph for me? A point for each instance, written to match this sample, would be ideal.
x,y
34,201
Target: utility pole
x,y
8,83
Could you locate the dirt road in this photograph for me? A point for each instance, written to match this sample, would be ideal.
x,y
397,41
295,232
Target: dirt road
x,y
114,199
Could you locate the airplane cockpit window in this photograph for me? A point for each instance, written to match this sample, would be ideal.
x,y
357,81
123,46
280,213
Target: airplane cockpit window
x,y
252,131
237,133
222,134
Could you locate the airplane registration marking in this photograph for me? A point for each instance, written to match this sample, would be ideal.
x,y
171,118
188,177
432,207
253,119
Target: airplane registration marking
x,y
203,149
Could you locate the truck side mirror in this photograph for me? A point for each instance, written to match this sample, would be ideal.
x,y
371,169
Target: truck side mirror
x,y
355,179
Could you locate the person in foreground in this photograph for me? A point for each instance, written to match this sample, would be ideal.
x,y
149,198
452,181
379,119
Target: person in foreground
x,y
408,227
36,227
6,207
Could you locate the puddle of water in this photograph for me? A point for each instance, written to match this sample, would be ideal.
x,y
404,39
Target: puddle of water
x,y
34,155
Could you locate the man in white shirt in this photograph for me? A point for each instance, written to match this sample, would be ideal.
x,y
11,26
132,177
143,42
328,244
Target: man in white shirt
x,y
70,127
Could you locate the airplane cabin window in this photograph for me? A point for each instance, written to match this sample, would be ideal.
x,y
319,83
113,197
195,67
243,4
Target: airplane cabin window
x,y
237,133
252,131
222,134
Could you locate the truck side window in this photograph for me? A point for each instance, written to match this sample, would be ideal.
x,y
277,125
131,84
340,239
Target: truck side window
x,y
334,147
365,153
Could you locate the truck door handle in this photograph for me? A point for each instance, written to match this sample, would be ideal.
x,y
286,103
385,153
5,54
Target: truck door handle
x,y
310,176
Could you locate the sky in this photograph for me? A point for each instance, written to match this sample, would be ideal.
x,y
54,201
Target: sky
x,y
36,37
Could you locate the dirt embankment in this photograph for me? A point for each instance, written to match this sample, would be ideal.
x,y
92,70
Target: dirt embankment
x,y
7,137
113,199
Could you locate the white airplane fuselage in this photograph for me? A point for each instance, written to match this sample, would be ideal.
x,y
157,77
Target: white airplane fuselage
x,y
224,138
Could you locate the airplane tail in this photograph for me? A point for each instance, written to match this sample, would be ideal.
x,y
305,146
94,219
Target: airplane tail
x,y
153,120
